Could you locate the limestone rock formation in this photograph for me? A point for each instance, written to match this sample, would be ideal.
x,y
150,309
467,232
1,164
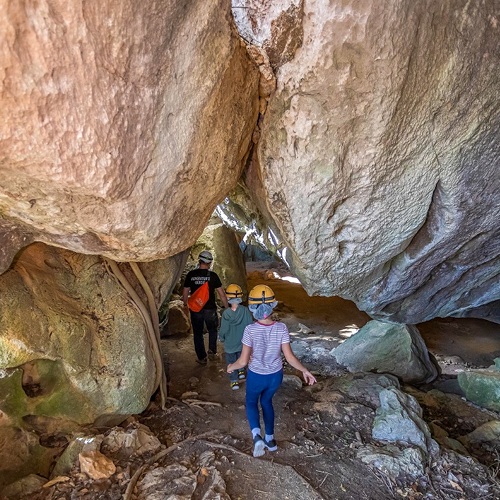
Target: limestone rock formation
x,y
73,348
127,123
378,153
228,263
388,348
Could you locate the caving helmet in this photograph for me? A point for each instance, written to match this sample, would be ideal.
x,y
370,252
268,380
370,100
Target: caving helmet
x,y
261,294
234,294
206,257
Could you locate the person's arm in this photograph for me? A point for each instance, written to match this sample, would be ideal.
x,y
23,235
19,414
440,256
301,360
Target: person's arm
x,y
223,329
222,295
185,295
293,361
242,361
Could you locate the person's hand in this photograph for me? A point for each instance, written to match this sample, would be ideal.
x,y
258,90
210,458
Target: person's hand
x,y
229,369
308,377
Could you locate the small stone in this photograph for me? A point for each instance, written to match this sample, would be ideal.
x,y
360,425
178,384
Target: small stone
x,y
25,486
393,461
436,431
305,329
194,381
488,432
124,443
293,381
96,465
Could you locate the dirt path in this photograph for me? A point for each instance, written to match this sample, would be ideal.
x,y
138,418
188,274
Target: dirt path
x,y
321,449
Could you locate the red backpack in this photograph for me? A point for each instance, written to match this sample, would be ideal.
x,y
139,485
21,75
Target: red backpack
x,y
199,298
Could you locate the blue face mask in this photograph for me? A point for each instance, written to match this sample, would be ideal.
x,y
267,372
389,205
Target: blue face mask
x,y
262,311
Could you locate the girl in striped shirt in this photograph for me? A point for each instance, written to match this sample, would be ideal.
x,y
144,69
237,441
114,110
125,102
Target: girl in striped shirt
x,y
263,343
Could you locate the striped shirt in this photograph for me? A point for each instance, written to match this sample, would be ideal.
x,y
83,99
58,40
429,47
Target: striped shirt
x,y
265,341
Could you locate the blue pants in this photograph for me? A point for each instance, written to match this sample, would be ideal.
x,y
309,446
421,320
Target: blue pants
x,y
262,387
231,357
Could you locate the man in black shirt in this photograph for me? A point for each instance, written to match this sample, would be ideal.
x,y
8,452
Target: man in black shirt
x,y
208,314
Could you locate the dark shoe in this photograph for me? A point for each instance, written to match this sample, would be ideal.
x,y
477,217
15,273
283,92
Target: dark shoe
x,y
212,356
259,446
271,445
241,374
202,361
235,386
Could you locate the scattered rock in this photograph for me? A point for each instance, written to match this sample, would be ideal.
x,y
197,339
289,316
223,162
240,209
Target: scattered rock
x,y
24,486
305,329
393,461
293,381
194,381
365,387
488,432
436,431
388,348
179,321
481,387
399,420
70,455
174,482
96,465
453,444
123,443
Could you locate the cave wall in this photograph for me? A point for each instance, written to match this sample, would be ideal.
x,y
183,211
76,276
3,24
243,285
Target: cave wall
x,y
74,349
127,123
378,160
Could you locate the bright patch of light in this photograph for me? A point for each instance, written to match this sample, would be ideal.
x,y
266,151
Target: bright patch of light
x,y
272,237
349,331
291,279
283,256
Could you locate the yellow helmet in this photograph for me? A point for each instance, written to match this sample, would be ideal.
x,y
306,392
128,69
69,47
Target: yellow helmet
x,y
234,291
261,294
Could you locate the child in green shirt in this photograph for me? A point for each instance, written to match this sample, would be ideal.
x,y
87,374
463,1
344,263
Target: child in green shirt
x,y
234,321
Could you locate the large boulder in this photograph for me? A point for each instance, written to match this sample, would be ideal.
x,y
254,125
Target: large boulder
x,y
377,163
223,243
388,348
399,420
127,123
73,348
482,387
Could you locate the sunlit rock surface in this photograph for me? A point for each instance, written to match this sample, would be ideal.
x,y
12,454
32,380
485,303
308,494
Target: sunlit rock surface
x,y
228,262
127,123
378,159
73,348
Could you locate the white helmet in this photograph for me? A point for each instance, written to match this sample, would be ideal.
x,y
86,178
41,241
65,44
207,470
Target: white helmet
x,y
206,257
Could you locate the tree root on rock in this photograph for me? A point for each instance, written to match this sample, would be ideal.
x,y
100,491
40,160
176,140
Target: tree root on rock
x,y
149,320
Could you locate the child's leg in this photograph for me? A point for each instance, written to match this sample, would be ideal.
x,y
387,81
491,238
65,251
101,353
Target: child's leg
x,y
252,400
231,357
266,400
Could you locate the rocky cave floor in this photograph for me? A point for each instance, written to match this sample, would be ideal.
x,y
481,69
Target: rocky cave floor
x,y
324,432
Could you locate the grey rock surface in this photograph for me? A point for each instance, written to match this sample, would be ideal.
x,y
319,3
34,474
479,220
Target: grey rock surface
x,y
399,420
388,348
377,165
393,461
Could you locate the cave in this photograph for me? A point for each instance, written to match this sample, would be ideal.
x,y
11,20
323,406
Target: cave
x,y
346,155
